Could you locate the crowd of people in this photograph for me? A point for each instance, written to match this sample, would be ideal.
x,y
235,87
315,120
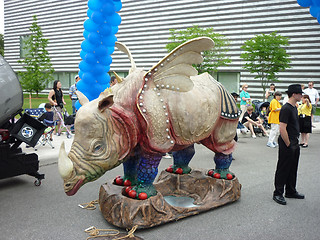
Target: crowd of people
x,y
251,120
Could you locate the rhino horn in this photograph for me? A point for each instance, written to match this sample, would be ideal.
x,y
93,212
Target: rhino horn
x,y
82,98
119,79
65,165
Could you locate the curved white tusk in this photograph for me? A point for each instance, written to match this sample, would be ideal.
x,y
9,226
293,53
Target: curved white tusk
x,y
65,165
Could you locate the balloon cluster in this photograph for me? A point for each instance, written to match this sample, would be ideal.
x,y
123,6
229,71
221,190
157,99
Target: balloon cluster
x,y
99,33
314,7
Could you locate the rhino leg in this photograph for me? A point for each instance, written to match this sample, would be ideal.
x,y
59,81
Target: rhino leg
x,y
223,163
130,169
146,173
181,160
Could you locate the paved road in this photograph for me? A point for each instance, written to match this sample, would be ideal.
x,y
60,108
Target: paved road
x,y
45,212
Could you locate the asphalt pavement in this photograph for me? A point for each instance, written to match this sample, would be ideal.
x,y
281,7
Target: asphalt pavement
x,y
46,212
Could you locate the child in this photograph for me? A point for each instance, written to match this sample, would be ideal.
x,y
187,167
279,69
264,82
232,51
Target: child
x,y
250,119
47,118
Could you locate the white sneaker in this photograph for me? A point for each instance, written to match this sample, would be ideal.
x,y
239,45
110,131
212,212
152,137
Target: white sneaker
x,y
270,144
254,136
275,144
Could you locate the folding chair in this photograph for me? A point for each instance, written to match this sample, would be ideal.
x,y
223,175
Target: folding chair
x,y
46,136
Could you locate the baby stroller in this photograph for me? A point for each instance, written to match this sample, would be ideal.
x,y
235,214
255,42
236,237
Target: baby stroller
x,y
261,110
61,117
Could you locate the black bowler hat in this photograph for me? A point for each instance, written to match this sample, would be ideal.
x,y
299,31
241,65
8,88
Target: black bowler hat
x,y
294,88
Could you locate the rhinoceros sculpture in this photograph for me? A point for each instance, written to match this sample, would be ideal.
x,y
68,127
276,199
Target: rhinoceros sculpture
x,y
148,114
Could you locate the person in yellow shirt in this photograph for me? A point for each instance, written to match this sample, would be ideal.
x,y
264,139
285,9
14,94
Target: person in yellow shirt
x,y
304,112
273,119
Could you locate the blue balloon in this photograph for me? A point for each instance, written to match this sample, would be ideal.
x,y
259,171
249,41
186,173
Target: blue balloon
x,y
80,73
85,67
114,19
82,86
87,78
97,17
94,5
114,29
89,12
109,41
305,3
77,105
314,10
98,88
86,34
86,89
108,8
118,5
87,46
105,29
316,2
90,25
83,54
110,50
101,51
94,38
90,58
98,69
105,60
103,78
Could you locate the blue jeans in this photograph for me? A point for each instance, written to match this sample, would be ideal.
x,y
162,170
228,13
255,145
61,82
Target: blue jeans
x,y
73,106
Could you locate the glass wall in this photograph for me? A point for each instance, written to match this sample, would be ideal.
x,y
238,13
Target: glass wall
x,y
23,50
66,79
230,80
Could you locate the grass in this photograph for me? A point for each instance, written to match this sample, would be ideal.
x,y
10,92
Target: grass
x,y
36,101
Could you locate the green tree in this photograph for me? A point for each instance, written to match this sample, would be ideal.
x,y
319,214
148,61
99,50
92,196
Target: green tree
x,y
37,64
265,56
214,58
1,45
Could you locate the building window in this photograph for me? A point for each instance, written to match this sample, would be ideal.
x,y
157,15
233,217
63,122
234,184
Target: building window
x,y
230,80
23,50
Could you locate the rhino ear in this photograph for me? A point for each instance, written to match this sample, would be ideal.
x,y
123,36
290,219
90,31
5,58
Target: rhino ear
x,y
82,98
105,103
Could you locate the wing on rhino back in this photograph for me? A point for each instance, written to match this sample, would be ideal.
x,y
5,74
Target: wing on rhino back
x,y
175,69
172,73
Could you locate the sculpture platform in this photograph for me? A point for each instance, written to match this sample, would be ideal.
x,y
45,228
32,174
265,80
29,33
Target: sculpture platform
x,y
179,196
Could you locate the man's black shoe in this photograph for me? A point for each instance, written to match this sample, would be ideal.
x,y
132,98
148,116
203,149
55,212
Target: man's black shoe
x,y
279,199
295,195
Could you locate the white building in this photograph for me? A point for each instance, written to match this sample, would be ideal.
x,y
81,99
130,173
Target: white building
x,y
145,30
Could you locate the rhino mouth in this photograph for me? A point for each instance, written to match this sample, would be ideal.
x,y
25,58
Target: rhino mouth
x,y
75,189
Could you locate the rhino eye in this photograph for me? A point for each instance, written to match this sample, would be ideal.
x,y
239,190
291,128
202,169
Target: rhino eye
x,y
98,148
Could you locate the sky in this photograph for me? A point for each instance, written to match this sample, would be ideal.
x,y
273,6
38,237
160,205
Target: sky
x,y
1,17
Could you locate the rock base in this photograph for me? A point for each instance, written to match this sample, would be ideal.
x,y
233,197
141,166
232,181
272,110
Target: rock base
x,y
207,193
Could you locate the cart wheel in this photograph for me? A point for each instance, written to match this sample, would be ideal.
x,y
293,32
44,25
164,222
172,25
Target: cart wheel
x,y
37,182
